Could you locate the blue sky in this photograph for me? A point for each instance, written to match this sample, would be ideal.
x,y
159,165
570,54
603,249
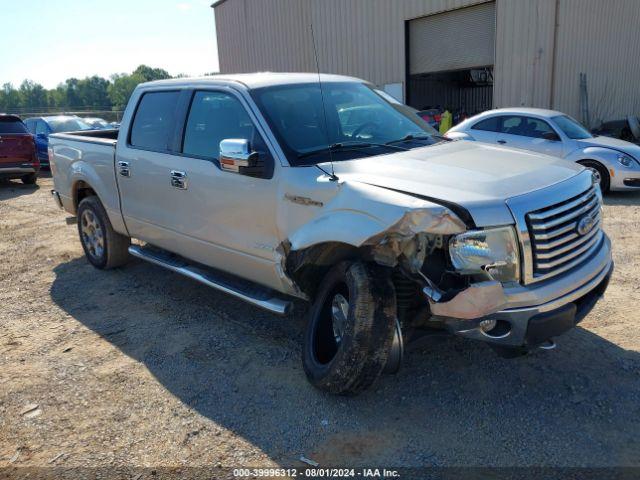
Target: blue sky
x,y
48,41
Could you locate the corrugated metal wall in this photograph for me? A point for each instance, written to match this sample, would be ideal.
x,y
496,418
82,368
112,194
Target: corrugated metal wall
x,y
363,38
524,53
601,39
366,38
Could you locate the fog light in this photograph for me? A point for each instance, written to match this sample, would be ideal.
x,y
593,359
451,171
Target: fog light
x,y
488,325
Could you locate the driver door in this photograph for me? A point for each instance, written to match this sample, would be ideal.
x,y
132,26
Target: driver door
x,y
184,202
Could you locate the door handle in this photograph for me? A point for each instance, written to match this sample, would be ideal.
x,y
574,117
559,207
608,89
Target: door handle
x,y
123,169
502,142
178,179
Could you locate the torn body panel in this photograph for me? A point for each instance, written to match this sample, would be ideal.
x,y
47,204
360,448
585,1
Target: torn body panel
x,y
405,234
477,301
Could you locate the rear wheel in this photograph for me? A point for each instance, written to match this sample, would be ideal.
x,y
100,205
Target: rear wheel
x,y
30,179
600,173
104,247
350,330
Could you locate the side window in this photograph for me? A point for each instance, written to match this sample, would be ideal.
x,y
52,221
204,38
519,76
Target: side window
x,y
152,127
31,126
217,116
41,127
488,125
513,125
536,128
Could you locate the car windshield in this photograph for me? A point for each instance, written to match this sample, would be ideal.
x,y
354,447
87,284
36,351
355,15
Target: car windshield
x,y
355,118
67,125
571,128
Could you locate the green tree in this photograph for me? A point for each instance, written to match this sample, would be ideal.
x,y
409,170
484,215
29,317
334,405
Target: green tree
x,y
33,96
72,97
150,74
121,88
9,98
93,92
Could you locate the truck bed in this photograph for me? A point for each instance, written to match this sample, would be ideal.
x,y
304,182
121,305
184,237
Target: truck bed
x,y
86,157
95,136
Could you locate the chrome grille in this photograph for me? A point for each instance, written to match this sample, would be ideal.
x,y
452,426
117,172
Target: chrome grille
x,y
557,242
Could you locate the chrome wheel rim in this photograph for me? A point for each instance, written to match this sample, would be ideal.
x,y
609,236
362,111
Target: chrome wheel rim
x,y
339,315
92,235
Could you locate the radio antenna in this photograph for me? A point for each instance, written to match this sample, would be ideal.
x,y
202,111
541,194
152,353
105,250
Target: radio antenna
x,y
324,110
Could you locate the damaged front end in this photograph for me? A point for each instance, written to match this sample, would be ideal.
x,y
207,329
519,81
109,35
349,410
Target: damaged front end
x,y
446,277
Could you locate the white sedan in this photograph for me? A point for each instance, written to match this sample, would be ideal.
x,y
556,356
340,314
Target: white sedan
x,y
615,163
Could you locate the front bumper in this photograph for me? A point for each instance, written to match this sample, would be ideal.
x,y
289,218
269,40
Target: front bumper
x,y
625,179
537,313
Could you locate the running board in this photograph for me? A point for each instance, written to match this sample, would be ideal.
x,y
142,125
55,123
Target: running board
x,y
242,289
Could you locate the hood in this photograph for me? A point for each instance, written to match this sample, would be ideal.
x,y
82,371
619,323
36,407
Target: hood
x,y
478,177
612,143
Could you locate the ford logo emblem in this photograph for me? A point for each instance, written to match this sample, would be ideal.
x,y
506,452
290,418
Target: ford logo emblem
x,y
585,225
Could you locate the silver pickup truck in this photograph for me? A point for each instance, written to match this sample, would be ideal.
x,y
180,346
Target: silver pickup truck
x,y
276,187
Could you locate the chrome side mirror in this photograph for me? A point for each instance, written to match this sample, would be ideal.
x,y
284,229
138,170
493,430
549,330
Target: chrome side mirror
x,y
236,154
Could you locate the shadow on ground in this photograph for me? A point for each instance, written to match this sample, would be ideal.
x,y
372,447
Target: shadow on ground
x,y
15,188
622,198
455,403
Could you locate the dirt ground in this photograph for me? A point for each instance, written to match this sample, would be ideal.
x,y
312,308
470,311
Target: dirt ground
x,y
141,367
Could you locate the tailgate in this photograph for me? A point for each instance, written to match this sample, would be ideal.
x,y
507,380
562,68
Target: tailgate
x,y
16,148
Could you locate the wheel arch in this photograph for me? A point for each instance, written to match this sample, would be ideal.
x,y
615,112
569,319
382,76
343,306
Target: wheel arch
x,y
80,190
308,266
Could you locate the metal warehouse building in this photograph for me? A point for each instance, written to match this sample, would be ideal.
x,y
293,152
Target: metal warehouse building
x,y
465,54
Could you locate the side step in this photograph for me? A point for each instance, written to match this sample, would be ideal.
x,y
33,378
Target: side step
x,y
242,289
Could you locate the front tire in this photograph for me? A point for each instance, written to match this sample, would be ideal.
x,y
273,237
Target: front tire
x,y
350,329
104,247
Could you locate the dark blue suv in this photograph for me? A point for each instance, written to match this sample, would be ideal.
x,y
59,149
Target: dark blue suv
x,y
42,127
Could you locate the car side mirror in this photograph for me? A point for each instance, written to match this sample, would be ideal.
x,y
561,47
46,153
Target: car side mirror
x,y
236,156
551,136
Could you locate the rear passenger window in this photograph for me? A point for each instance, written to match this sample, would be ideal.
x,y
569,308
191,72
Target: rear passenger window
x,y
152,126
488,125
217,116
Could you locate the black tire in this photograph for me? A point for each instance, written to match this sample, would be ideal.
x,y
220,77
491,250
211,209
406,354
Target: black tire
x,y
30,179
115,247
354,362
605,180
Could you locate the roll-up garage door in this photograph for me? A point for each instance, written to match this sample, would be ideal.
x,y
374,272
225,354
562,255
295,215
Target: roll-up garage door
x,y
455,40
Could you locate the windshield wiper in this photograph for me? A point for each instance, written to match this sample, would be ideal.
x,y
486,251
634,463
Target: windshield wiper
x,y
343,147
410,137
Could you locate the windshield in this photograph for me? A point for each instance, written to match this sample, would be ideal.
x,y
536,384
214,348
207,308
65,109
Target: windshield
x,y
67,125
571,128
356,116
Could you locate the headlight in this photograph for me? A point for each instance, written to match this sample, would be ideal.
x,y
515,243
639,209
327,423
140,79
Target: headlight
x,y
492,252
625,160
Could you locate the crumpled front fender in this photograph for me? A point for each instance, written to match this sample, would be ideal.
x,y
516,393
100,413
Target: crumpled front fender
x,y
362,214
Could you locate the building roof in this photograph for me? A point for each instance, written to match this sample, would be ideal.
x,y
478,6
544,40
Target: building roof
x,y
257,80
217,2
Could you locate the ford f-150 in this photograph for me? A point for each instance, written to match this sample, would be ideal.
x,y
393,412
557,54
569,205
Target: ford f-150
x,y
274,187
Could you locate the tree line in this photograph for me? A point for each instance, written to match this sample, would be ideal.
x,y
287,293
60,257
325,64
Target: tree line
x,y
91,93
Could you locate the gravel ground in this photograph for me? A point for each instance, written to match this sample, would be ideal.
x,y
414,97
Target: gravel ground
x,y
141,367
